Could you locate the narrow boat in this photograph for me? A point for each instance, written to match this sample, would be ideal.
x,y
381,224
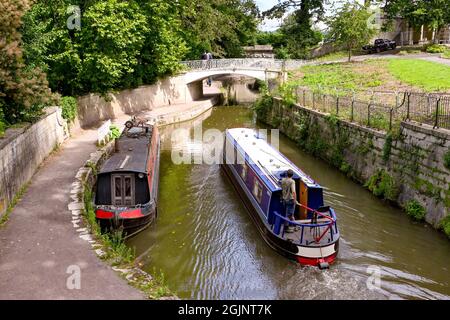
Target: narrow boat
x,y
256,170
126,192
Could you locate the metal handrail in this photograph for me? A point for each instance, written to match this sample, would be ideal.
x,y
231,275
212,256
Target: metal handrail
x,y
259,63
306,225
329,225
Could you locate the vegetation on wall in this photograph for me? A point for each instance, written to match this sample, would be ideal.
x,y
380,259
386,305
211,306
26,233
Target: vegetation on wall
x,y
264,103
445,225
69,108
383,185
447,160
415,210
387,147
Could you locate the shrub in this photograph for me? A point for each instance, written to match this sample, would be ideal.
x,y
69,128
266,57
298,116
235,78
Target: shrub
x,y
446,54
447,160
387,147
114,132
435,48
69,108
345,167
287,93
2,128
264,103
445,225
415,210
383,185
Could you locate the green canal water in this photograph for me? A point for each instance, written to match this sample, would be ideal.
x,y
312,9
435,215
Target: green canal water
x,y
207,247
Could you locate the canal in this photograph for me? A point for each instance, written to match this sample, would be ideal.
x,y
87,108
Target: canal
x,y
207,247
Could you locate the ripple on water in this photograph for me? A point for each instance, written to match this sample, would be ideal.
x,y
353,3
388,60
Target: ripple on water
x,y
208,247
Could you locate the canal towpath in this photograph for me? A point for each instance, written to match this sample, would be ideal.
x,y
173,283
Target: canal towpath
x,y
39,245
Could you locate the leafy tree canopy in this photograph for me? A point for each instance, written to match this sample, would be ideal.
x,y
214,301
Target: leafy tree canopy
x,y
298,34
23,91
434,13
349,26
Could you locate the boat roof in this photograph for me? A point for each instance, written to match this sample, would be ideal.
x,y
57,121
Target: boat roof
x,y
131,154
269,162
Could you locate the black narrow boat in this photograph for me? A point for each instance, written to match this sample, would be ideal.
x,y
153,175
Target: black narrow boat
x,y
127,186
256,170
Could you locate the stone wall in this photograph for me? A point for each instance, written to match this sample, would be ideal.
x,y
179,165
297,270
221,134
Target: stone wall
x,y
23,150
402,166
93,109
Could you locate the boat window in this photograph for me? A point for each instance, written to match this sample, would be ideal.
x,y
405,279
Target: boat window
x,y
244,171
257,191
123,186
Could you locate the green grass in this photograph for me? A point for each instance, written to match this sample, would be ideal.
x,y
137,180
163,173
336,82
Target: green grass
x,y
427,75
333,56
337,75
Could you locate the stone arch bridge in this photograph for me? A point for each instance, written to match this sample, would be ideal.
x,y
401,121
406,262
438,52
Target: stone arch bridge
x,y
261,69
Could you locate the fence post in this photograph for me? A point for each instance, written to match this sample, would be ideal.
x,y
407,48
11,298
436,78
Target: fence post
x,y
436,120
407,106
353,105
390,119
313,100
368,114
337,105
304,97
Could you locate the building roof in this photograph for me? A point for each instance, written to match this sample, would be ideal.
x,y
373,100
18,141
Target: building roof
x,y
131,154
270,162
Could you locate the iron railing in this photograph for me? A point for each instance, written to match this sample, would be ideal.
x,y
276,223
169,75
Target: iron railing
x,y
321,228
432,109
248,63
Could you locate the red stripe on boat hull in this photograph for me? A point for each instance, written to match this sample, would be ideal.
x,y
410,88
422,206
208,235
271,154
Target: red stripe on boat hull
x,y
133,214
102,214
315,262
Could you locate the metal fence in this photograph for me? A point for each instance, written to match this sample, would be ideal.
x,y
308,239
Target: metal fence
x,y
256,63
432,109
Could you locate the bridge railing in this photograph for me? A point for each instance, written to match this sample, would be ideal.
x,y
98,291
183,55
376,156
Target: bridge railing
x,y
249,63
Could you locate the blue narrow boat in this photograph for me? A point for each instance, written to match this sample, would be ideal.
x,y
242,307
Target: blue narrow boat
x,y
256,170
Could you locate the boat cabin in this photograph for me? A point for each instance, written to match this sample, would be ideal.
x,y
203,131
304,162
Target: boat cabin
x,y
127,183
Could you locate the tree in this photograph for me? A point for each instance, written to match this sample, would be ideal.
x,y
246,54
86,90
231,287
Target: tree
x,y
219,26
121,44
23,91
297,27
349,27
432,13
299,34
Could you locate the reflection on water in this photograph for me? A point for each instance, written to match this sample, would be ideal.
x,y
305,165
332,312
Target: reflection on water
x,y
208,248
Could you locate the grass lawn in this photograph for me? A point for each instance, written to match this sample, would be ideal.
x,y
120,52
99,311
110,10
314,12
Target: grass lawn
x,y
377,75
427,75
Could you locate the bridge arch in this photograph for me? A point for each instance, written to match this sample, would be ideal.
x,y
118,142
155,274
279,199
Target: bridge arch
x,y
194,76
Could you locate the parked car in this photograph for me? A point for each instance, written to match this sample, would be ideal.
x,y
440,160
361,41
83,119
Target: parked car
x,y
380,45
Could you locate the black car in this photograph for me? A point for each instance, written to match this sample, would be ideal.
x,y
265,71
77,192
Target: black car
x,y
380,45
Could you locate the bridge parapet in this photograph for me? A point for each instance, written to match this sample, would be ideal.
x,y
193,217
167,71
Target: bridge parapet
x,y
248,63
